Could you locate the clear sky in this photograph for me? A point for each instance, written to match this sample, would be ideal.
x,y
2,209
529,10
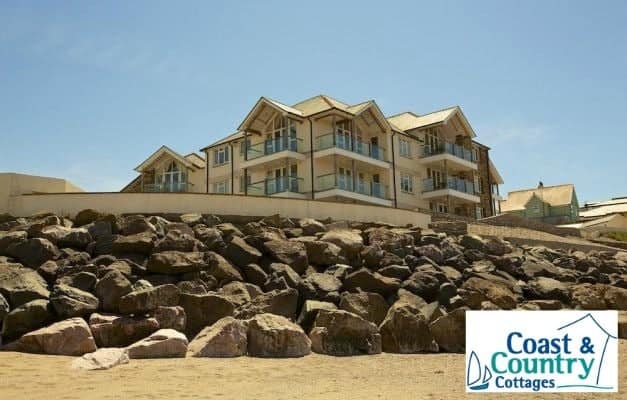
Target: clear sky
x,y
88,90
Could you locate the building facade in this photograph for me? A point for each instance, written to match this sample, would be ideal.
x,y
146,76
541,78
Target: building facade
x,y
549,204
324,149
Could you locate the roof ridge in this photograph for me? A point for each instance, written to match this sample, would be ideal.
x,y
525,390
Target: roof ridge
x,y
403,112
442,109
543,187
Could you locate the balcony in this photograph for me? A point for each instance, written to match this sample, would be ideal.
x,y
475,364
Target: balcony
x,y
330,143
286,186
450,186
458,155
167,187
337,185
272,150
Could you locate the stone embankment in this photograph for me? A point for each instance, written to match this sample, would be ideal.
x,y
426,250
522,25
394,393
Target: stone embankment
x,y
112,288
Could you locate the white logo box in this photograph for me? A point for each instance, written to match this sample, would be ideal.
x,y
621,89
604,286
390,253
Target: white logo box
x,y
541,351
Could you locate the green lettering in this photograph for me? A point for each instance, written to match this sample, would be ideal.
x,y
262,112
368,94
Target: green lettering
x,y
494,368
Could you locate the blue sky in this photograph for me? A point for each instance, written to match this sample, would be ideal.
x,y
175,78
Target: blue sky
x,y
90,89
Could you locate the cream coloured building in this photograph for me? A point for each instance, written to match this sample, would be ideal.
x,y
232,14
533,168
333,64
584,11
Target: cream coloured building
x,y
324,149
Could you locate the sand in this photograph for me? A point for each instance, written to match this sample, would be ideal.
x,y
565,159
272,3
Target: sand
x,y
385,376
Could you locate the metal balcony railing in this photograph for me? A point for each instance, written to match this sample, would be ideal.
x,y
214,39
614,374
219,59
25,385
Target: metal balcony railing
x,y
451,182
345,182
167,187
449,148
346,143
272,146
270,186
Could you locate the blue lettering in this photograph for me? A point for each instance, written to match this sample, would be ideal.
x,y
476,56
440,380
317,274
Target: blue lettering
x,y
509,342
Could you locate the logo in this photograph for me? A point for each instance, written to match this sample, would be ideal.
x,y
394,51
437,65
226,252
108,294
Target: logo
x,y
541,351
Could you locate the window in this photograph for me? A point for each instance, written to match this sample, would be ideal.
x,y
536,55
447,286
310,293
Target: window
x,y
242,186
407,183
404,148
479,212
475,154
219,187
221,155
243,146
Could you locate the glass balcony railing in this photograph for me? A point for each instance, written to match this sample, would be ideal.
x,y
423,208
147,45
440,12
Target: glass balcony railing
x,y
167,187
449,148
345,182
451,182
272,146
346,143
271,186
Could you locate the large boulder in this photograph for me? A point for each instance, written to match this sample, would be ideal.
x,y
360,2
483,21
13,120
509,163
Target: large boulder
x,y
20,285
9,238
292,253
165,343
280,302
227,337
69,302
240,293
87,216
101,359
70,337
175,262
350,241
25,318
62,236
472,242
405,330
241,253
588,296
423,283
477,290
149,299
309,312
370,282
449,331
370,306
547,289
534,268
311,227
272,335
33,252
341,333
111,288
203,310
176,240
120,331
171,317
320,286
138,243
221,269
324,253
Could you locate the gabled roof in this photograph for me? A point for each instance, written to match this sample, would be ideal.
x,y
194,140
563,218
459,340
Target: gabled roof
x,y
196,159
259,107
233,136
558,195
166,150
496,177
408,120
320,103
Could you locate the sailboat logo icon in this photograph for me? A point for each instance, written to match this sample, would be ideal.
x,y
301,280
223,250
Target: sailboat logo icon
x,y
476,379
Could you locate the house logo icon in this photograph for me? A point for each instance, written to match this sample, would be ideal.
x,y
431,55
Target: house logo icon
x,y
541,351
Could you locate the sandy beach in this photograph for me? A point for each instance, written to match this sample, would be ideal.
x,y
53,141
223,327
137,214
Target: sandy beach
x,y
385,376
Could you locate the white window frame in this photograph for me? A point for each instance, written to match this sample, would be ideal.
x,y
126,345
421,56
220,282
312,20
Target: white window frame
x,y
219,187
221,155
404,147
407,183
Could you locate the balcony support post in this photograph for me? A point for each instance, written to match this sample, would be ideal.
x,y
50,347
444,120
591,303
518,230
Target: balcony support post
x,y
246,179
333,127
335,172
354,176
